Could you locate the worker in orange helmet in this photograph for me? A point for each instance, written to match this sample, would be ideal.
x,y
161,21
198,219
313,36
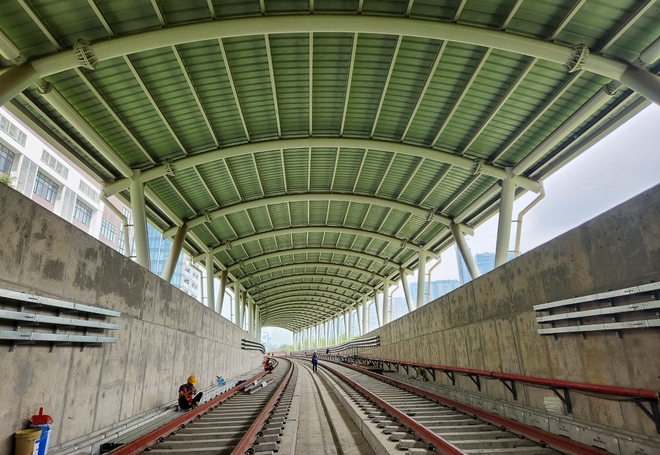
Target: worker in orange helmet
x,y
188,396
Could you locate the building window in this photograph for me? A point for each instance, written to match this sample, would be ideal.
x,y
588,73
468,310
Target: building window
x,y
108,230
54,164
82,213
88,191
120,244
6,159
45,188
12,130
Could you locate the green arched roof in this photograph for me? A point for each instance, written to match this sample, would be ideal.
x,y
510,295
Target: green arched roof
x,y
316,147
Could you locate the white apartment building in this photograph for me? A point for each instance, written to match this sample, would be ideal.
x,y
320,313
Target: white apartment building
x,y
50,179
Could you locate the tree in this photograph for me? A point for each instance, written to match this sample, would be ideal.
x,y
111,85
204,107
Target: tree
x,y
7,179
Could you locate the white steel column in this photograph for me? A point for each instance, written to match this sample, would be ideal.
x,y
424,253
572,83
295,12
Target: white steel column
x,y
379,309
210,289
504,223
347,324
337,329
139,221
221,296
463,248
386,301
406,290
421,278
237,304
358,315
173,258
327,333
250,317
365,315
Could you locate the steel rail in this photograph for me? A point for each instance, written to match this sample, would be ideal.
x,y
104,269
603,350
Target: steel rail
x,y
541,437
149,439
420,430
248,440
628,392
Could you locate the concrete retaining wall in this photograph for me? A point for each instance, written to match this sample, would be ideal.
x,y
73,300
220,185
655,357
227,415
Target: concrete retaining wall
x,y
489,324
164,334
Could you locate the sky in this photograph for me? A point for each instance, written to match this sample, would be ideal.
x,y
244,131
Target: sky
x,y
622,165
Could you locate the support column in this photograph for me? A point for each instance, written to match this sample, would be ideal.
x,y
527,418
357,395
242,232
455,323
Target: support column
x,y
210,277
421,278
348,324
237,304
386,302
365,315
173,258
379,309
327,333
406,290
16,79
504,223
139,221
335,323
219,301
358,315
250,318
463,248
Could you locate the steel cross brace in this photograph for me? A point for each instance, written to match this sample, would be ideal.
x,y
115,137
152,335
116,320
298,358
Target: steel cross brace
x,y
653,413
450,375
511,386
565,398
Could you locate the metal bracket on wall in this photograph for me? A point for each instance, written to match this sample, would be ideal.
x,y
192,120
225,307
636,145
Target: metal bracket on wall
x,y
476,379
565,397
653,413
451,376
511,386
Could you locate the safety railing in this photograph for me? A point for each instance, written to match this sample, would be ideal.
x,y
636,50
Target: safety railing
x,y
67,315
562,389
348,348
601,312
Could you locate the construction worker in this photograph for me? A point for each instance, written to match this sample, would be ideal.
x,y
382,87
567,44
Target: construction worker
x,y
268,364
188,396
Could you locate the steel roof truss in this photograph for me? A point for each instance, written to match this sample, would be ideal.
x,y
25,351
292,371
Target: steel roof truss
x,y
42,26
427,83
151,99
206,187
271,72
233,87
112,112
387,84
468,85
349,81
193,92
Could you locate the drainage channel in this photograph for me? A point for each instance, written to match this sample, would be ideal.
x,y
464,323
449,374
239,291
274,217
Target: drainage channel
x,y
250,420
422,423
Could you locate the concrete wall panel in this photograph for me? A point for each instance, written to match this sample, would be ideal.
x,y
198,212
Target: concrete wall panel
x,y
164,334
490,323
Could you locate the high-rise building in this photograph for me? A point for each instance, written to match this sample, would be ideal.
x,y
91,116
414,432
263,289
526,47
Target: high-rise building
x,y
463,272
43,174
486,261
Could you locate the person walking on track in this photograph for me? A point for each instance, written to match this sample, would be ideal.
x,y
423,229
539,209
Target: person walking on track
x,y
315,362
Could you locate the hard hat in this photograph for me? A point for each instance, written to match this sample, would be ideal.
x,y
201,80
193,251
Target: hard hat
x,y
192,380
270,356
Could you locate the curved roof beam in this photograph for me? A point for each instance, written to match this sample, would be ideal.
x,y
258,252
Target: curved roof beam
x,y
309,297
313,301
291,251
279,144
305,197
361,284
24,75
312,264
312,230
278,290
318,313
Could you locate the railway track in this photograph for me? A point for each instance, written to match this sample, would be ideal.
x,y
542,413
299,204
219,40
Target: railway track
x,y
426,424
404,419
253,416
